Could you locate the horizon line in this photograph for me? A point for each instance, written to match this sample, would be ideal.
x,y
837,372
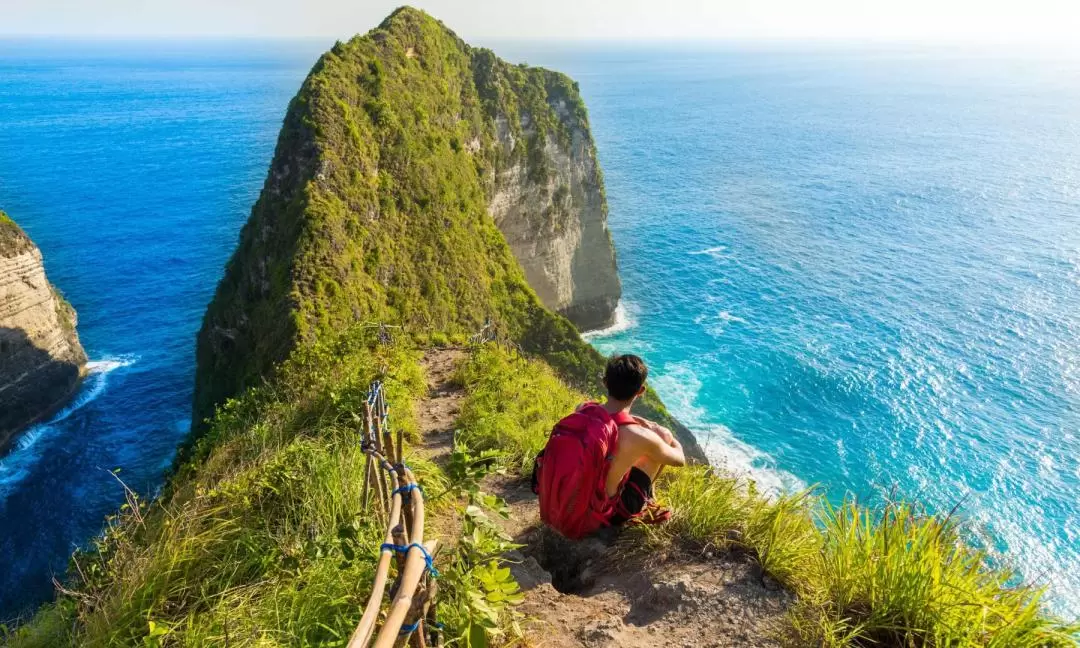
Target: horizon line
x,y
606,40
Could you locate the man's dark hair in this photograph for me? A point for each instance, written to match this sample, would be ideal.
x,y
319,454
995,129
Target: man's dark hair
x,y
624,376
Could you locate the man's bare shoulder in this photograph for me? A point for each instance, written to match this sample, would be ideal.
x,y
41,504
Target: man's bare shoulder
x,y
638,435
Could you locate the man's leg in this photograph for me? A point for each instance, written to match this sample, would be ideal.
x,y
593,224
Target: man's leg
x,y
649,467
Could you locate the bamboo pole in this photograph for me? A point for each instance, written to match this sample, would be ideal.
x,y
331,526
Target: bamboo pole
x,y
399,558
366,627
403,602
367,482
415,616
373,428
415,567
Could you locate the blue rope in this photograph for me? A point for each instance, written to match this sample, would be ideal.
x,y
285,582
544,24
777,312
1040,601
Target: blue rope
x,y
409,629
390,546
405,490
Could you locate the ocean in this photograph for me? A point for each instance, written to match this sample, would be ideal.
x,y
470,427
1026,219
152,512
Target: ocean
x,y
851,267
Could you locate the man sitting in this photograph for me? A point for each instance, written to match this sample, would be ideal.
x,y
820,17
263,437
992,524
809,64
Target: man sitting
x,y
642,449
600,462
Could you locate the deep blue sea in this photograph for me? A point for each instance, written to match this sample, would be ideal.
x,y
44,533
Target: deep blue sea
x,y
852,267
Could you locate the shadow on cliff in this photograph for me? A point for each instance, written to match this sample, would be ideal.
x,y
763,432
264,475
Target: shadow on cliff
x,y
33,384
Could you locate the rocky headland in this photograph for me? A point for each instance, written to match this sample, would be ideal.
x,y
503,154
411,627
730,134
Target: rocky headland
x,y
41,360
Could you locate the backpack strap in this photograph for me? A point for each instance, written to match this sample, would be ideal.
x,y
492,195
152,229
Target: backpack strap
x,y
623,418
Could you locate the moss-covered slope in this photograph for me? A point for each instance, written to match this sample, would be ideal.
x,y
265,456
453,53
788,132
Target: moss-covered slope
x,y
376,207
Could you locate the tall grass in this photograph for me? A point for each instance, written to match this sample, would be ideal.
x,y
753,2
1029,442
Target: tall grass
x,y
863,577
511,406
262,538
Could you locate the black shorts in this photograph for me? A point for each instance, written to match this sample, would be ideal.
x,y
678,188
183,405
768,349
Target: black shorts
x,y
635,493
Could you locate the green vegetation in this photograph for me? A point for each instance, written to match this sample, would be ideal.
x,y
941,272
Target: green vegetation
x,y
376,207
375,211
12,239
896,577
512,416
262,538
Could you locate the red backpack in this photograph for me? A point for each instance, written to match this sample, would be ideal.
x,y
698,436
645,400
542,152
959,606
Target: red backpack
x,y
571,472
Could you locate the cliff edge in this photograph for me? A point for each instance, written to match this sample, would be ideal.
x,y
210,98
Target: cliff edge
x,y
41,360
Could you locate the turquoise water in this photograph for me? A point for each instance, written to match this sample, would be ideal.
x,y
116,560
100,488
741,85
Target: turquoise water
x,y
847,267
859,269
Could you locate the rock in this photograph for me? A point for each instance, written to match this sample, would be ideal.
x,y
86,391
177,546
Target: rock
x,y
556,225
527,571
41,360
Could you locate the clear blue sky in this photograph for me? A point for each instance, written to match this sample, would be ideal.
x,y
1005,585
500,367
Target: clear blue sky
x,y
1049,22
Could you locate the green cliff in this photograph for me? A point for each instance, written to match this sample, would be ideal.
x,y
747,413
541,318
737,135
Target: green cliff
x,y
397,156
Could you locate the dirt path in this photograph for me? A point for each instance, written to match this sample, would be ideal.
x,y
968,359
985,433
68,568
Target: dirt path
x,y
439,410
590,594
585,595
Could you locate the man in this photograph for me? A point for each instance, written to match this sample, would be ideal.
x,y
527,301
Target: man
x,y
642,448
599,464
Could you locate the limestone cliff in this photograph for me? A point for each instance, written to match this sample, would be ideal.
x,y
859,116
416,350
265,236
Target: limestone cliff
x,y
549,203
41,360
399,160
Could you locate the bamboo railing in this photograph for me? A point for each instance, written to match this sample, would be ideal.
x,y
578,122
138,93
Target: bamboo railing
x,y
391,492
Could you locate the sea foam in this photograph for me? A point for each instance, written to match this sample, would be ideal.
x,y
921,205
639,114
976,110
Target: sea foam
x,y
16,465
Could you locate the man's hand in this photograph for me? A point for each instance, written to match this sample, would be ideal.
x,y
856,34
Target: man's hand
x,y
661,431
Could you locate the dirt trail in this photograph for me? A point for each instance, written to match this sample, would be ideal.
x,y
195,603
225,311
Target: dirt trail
x,y
585,595
439,410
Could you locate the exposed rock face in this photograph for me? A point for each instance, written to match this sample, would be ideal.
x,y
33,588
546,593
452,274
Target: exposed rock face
x,y
41,360
556,223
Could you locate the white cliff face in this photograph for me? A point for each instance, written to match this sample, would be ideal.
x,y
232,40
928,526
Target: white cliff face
x,y
556,220
41,360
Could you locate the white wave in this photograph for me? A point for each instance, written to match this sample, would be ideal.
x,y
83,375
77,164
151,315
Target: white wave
x,y
94,386
679,386
717,251
716,324
15,466
625,319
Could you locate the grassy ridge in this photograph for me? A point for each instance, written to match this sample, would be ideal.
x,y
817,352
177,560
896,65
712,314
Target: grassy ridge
x,y
890,577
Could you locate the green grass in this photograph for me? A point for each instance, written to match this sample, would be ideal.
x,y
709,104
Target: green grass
x,y
262,538
863,577
510,405
13,240
375,211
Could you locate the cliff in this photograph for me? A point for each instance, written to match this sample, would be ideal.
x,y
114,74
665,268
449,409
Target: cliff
x,y
41,360
546,192
405,165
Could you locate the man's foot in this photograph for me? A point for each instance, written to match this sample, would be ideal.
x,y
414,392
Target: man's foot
x,y
651,513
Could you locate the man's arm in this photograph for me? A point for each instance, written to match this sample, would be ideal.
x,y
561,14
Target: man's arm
x,y
660,450
667,435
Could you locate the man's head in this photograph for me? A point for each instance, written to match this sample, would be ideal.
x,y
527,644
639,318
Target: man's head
x,y
625,377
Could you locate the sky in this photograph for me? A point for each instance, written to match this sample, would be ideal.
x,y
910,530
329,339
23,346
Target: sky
x,y
1040,22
